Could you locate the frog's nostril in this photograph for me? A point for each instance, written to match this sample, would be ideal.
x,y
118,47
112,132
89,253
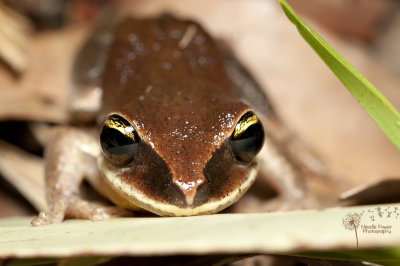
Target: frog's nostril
x,y
189,189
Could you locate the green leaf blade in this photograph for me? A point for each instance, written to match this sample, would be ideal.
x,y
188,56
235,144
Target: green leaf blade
x,y
372,101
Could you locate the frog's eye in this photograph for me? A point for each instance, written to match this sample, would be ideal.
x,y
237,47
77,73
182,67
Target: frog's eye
x,y
119,140
247,138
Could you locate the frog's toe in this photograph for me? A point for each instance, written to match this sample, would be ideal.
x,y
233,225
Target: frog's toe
x,y
98,214
104,213
45,218
75,207
40,220
54,215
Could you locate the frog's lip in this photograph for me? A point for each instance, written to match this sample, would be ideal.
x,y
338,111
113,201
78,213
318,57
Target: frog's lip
x,y
164,209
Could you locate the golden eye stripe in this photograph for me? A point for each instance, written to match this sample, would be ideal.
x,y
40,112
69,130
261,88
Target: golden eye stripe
x,y
244,123
121,126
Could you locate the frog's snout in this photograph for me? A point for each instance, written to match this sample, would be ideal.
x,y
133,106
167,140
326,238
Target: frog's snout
x,y
189,189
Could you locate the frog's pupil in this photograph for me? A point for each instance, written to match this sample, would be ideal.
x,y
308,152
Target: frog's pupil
x,y
248,143
117,147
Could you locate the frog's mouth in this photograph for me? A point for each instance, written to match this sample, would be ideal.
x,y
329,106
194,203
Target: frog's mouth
x,y
164,208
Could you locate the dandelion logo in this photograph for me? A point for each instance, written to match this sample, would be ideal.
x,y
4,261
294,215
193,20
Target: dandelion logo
x,y
351,222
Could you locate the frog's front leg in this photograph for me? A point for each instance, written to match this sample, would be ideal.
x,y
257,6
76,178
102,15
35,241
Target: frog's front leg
x,y
70,156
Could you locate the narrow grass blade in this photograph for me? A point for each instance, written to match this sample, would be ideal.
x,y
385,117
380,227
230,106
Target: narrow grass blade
x,y
373,102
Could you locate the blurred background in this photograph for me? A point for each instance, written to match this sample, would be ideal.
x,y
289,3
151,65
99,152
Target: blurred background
x,y
38,40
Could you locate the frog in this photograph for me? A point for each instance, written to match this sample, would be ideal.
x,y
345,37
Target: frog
x,y
183,128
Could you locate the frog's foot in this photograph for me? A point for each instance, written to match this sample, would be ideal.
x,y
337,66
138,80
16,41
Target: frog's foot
x,y
45,218
78,208
94,211
55,215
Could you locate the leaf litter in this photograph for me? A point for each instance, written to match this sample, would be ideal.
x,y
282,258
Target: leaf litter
x,y
35,99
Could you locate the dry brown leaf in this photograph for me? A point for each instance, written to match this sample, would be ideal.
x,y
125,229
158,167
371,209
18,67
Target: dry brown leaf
x,y
42,92
13,39
25,172
383,191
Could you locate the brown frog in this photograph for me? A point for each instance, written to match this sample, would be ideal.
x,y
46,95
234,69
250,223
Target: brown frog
x,y
182,123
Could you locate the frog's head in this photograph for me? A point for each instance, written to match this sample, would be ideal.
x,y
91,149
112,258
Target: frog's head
x,y
179,164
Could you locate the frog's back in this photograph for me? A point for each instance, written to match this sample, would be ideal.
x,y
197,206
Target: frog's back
x,y
164,56
126,58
